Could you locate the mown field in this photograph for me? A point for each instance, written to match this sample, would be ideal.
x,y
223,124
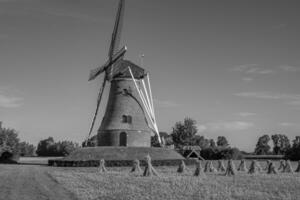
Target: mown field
x,y
118,183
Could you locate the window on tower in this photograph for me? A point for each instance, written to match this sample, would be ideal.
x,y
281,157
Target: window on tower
x,y
127,119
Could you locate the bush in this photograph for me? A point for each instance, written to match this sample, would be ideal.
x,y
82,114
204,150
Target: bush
x,y
8,141
48,147
26,149
293,153
221,153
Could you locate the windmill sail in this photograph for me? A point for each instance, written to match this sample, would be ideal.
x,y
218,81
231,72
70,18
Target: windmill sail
x,y
114,55
116,35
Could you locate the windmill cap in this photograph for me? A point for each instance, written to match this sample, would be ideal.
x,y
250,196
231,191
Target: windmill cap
x,y
121,70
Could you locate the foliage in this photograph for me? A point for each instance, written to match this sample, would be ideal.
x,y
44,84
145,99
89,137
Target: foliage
x,y
201,141
222,141
9,141
294,152
91,142
218,153
165,138
262,146
26,149
281,144
184,132
48,147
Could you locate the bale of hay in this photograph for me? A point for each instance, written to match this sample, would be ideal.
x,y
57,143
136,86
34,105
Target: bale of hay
x,y
298,167
281,165
199,170
242,167
253,169
267,165
209,167
258,166
149,169
102,168
288,167
181,167
230,170
272,169
221,166
136,167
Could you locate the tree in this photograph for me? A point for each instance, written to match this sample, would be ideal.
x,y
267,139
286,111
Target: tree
x,y
183,132
165,137
92,142
66,147
48,147
222,141
262,146
8,141
281,143
212,143
293,153
201,141
154,141
26,149
44,147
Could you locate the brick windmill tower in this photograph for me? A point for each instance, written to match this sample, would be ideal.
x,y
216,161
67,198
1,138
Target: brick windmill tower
x,y
129,119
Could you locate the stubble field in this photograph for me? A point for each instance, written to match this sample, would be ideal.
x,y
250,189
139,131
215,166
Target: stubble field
x,y
118,183
38,182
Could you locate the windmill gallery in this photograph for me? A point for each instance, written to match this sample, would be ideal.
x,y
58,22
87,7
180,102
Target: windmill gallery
x,y
129,119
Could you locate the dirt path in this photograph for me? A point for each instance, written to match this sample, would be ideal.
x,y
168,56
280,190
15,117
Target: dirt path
x,y
28,182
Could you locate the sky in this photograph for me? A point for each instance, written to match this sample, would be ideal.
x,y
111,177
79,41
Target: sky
x,y
233,66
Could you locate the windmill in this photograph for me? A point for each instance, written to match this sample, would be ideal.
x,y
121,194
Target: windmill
x,y
129,118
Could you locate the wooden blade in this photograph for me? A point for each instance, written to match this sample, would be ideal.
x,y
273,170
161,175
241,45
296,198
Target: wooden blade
x,y
98,105
116,35
95,72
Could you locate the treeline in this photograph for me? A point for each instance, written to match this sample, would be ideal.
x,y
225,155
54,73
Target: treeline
x,y
281,146
184,133
10,143
49,147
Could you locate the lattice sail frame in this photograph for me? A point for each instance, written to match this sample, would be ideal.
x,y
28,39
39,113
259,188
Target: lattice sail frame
x,y
147,102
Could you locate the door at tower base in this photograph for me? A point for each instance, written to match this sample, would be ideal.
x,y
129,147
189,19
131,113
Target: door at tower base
x,y
128,138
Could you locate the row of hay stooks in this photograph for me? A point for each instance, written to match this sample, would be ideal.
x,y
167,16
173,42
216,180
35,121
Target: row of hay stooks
x,y
230,170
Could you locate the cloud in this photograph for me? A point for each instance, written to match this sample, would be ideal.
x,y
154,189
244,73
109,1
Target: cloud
x,y
245,114
289,68
10,102
7,100
279,26
247,79
286,124
269,95
225,126
252,69
289,99
164,103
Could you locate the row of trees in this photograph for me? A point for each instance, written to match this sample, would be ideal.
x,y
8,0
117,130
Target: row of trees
x,y
10,142
49,147
281,146
185,134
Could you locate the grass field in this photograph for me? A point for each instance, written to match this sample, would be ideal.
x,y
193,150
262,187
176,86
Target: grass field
x,y
118,183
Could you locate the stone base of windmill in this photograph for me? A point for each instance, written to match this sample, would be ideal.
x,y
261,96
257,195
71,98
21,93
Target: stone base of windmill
x,y
119,156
